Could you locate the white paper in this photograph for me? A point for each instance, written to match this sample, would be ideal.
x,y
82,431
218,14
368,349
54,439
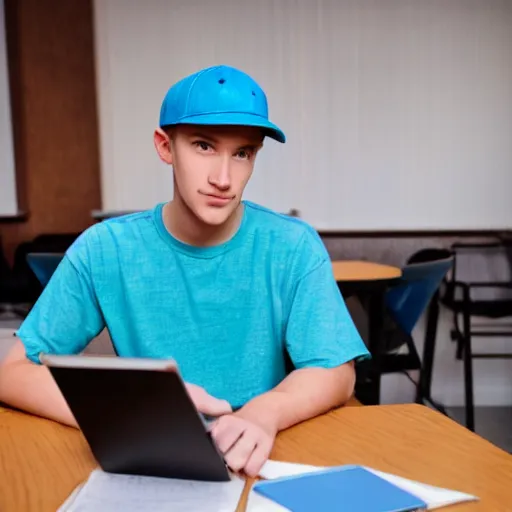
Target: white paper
x,y
125,493
116,493
258,503
434,497
275,469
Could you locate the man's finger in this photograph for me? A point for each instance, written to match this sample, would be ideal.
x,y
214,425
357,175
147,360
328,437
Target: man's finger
x,y
207,404
226,433
214,406
241,451
258,457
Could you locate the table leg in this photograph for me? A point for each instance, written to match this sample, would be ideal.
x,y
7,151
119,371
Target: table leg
x,y
369,372
376,318
368,378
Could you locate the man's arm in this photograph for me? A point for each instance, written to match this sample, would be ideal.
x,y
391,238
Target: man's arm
x,y
30,387
322,342
65,318
303,394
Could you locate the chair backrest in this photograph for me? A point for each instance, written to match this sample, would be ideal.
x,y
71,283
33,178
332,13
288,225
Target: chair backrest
x,y
481,262
5,269
421,278
44,265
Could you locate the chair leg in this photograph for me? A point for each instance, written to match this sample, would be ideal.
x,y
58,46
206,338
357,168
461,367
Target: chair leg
x,y
376,310
429,346
460,349
458,336
424,390
468,367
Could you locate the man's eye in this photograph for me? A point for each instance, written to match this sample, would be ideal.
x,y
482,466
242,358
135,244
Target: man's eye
x,y
243,154
203,146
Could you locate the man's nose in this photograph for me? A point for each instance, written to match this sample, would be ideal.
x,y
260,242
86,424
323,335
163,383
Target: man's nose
x,y
221,175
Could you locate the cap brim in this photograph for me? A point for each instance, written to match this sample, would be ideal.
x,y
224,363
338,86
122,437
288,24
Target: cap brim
x,y
235,119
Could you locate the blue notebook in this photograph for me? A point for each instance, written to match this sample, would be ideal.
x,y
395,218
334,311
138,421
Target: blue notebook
x,y
345,488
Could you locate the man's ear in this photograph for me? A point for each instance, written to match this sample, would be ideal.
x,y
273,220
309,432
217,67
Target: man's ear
x,y
163,146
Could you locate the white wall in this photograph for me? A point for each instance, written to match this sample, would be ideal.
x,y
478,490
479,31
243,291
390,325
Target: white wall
x,y
8,204
398,112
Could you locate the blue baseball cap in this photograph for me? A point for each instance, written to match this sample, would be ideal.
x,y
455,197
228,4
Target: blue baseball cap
x,y
219,95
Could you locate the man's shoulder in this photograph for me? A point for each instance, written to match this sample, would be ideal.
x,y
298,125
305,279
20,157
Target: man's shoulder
x,y
126,223
291,231
113,232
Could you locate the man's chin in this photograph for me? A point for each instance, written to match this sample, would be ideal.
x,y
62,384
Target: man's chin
x,y
215,216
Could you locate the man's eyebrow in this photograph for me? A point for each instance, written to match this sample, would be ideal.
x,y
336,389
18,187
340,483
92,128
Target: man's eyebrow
x,y
203,136
209,138
252,144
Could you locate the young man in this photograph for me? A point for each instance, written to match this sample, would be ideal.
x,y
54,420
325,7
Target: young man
x,y
227,288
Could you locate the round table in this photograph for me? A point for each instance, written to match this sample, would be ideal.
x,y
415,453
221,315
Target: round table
x,y
352,270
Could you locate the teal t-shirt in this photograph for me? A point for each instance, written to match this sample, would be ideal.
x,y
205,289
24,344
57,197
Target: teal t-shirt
x,y
231,315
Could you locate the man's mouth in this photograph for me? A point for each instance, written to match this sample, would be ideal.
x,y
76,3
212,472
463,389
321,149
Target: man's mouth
x,y
218,200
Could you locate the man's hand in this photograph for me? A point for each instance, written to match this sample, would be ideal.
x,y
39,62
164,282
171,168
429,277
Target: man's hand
x,y
207,404
247,436
245,444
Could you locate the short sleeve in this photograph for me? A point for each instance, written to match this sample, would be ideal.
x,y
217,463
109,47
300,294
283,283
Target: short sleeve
x,y
66,317
320,331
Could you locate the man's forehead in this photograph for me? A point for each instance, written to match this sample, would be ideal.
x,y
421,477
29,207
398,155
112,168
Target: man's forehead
x,y
246,134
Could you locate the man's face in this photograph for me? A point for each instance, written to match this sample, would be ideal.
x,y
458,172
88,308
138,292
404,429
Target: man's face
x,y
212,165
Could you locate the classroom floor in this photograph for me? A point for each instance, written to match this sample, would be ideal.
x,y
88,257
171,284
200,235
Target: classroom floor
x,y
492,423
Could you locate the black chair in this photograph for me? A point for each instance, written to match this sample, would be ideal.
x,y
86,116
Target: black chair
x,y
44,265
424,388
488,299
42,244
405,303
14,297
417,292
19,286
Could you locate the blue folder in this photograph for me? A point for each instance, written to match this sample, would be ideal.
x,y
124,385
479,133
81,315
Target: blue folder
x,y
345,488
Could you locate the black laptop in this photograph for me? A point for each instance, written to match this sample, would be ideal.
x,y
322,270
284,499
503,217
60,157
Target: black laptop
x,y
137,416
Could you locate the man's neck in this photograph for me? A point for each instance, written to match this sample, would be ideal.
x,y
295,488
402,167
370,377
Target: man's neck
x,y
187,228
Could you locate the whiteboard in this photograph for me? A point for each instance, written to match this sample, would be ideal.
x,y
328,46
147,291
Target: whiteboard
x,y
398,113
8,203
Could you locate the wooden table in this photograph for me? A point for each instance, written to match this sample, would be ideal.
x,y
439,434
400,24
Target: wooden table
x,y
348,270
41,462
